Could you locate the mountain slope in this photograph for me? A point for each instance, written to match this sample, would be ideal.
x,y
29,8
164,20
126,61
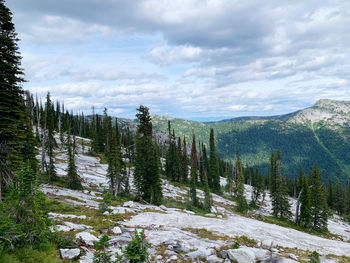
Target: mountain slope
x,y
319,134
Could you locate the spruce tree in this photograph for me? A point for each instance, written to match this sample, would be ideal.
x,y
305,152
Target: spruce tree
x,y
241,200
305,217
146,176
319,209
193,191
11,102
278,187
73,179
213,176
51,142
184,162
207,196
194,156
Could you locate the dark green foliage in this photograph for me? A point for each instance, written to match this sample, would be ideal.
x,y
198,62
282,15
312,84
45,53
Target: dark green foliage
x,y
116,167
136,251
319,209
12,107
213,175
74,181
278,187
193,191
51,142
258,189
23,216
242,205
147,175
305,218
106,202
101,255
207,197
314,257
302,144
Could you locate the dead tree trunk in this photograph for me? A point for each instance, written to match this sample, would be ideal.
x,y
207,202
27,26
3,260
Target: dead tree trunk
x,y
297,208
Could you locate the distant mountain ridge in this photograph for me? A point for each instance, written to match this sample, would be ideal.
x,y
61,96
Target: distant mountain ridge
x,y
318,134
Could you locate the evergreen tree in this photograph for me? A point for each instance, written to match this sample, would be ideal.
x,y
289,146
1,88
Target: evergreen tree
x,y
241,200
207,196
74,181
339,197
229,177
51,142
193,191
278,187
11,102
330,197
184,162
213,177
146,176
319,210
194,157
305,217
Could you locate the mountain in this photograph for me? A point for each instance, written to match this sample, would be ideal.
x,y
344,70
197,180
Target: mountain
x,y
319,134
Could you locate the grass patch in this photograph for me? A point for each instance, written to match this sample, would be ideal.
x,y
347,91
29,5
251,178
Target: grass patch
x,y
47,254
289,224
204,233
341,259
172,203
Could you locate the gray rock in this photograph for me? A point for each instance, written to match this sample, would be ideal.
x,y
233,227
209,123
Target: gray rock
x,y
241,255
116,230
69,253
174,245
213,259
273,259
223,254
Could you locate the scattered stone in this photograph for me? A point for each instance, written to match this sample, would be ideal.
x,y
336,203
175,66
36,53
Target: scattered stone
x,y
174,257
87,258
223,254
129,204
274,250
241,255
219,216
213,259
213,210
116,230
292,256
174,245
273,258
69,253
189,212
159,257
118,210
163,207
87,238
106,213
210,214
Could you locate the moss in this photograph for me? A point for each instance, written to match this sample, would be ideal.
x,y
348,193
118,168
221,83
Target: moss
x,y
204,233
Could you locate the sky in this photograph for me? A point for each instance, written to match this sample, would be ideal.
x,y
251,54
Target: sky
x,y
195,59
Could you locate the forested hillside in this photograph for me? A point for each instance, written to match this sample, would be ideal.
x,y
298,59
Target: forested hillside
x,y
319,134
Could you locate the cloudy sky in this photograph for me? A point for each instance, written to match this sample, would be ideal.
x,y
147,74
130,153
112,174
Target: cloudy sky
x,y
193,59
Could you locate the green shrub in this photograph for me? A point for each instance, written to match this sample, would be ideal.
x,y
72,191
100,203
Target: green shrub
x,y
101,255
314,257
136,251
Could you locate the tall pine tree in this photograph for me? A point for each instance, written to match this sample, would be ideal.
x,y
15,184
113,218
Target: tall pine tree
x,y
146,176
213,177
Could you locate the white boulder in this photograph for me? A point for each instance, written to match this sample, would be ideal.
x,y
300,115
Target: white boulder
x,y
241,255
69,253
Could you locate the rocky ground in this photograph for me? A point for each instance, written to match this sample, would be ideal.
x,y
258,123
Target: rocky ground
x,y
179,235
